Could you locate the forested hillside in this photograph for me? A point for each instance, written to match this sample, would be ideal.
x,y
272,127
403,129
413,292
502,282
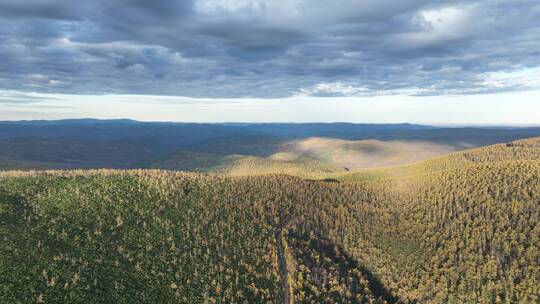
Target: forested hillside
x,y
459,229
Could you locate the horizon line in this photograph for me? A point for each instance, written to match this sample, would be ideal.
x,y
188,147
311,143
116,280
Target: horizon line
x,y
425,124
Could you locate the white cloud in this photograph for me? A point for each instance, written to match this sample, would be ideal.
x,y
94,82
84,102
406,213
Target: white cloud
x,y
524,78
334,89
343,89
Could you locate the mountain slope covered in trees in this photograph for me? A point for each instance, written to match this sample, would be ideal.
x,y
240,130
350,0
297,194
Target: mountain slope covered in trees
x,y
460,229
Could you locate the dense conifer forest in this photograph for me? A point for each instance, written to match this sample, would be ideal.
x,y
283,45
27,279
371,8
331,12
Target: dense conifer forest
x,y
464,228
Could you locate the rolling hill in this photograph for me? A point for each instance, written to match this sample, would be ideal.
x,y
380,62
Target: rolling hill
x,y
308,158
361,154
462,228
240,165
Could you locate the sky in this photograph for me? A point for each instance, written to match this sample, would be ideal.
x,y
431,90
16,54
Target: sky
x,y
437,61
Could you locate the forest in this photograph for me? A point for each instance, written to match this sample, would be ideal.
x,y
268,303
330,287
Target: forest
x,y
461,228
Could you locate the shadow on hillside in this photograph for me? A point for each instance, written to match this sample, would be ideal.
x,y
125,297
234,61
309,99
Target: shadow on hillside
x,y
326,180
12,209
340,259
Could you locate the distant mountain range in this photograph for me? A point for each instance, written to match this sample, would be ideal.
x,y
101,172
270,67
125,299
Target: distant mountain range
x,y
90,143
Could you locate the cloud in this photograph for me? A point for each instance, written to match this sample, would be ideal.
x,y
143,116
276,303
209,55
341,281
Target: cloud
x,y
270,49
440,26
22,98
333,89
524,79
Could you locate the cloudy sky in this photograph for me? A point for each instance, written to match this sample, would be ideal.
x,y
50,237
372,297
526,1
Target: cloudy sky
x,y
272,60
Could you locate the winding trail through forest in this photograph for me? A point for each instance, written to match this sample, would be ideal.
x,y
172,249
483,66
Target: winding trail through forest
x,y
283,271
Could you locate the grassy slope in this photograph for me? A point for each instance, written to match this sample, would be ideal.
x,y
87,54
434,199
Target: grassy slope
x,y
462,229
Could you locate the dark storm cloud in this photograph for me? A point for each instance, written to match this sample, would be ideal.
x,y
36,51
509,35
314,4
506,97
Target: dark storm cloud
x,y
264,48
37,9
